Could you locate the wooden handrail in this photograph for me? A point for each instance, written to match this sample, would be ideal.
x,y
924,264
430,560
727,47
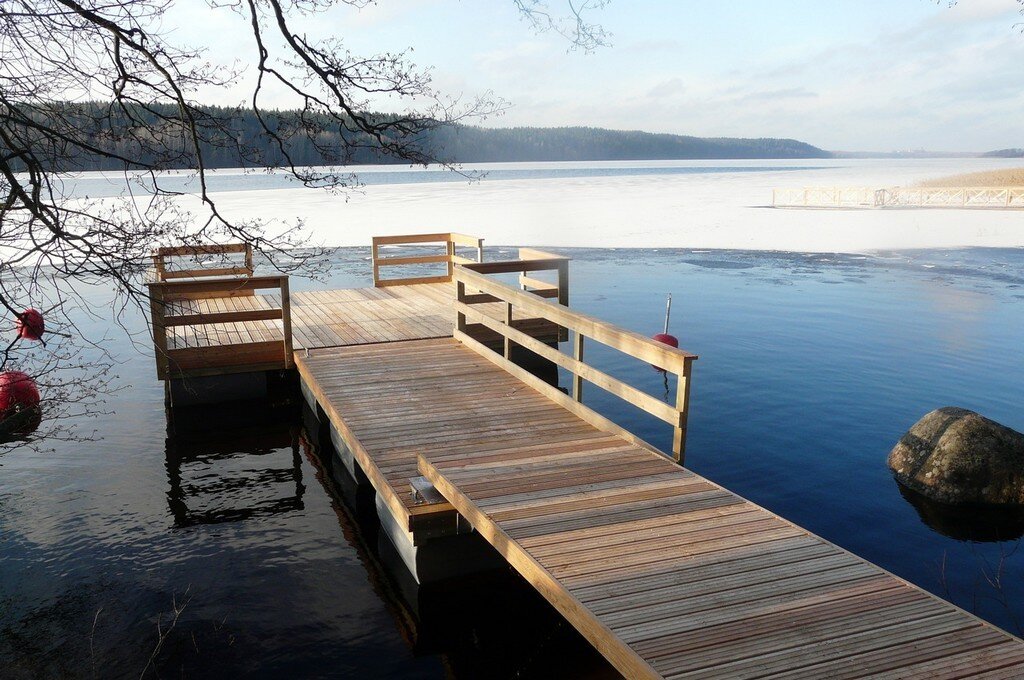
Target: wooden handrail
x,y
178,362
449,240
162,255
533,260
675,361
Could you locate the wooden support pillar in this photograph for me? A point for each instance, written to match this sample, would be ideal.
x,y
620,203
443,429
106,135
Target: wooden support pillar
x,y
508,322
286,322
450,252
682,406
460,295
577,354
158,310
376,266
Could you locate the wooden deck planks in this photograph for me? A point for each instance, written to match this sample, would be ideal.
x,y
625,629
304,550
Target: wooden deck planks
x,y
338,318
667,574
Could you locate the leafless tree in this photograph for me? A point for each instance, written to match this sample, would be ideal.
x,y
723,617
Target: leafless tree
x,y
104,83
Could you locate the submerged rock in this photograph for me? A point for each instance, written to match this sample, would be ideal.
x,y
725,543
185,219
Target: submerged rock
x,y
954,455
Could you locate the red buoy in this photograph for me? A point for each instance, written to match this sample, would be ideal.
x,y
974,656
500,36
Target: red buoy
x,y
19,403
664,337
667,339
30,324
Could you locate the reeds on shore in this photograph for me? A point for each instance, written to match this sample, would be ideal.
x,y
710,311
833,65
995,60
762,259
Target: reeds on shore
x,y
1008,177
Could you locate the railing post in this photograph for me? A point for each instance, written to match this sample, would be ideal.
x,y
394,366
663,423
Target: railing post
x,y
480,250
450,252
286,322
158,265
508,322
460,295
577,354
248,259
376,266
563,295
682,406
158,310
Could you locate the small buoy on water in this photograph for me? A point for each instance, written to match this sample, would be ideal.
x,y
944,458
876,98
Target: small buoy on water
x,y
30,325
19,403
664,336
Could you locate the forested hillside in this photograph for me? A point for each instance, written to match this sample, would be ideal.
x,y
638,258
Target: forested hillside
x,y
236,139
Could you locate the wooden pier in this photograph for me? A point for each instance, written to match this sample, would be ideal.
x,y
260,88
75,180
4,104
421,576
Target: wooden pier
x,y
666,573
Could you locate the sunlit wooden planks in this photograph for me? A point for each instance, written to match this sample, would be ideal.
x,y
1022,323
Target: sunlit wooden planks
x,y
336,318
392,401
669,575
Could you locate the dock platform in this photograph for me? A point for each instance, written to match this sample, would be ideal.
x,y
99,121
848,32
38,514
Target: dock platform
x,y
666,573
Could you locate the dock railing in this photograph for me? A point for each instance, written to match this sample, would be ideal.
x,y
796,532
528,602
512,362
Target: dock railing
x,y
471,278
449,241
180,303
163,257
530,264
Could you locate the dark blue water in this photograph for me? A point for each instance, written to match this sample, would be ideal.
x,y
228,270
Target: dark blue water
x,y
811,367
95,186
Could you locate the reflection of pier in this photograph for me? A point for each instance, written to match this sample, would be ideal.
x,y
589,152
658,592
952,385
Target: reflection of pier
x,y
900,197
226,464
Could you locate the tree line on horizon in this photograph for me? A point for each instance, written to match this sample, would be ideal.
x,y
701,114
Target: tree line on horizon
x,y
237,139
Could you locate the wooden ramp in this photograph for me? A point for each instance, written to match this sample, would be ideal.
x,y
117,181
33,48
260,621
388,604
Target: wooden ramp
x,y
669,575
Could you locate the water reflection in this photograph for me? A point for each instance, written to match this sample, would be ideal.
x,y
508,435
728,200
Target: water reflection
x,y
232,462
966,522
489,625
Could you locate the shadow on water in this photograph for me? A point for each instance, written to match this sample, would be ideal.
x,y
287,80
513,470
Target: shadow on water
x,y
975,523
487,625
232,464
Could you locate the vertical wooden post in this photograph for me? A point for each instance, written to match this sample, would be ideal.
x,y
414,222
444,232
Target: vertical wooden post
x,y
158,264
508,322
682,406
158,310
286,322
248,259
460,295
480,250
577,354
450,252
376,266
563,295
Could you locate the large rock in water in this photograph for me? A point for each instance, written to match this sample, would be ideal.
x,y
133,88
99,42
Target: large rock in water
x,y
954,455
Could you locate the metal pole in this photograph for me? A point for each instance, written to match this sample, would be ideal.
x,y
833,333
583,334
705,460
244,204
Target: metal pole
x,y
668,312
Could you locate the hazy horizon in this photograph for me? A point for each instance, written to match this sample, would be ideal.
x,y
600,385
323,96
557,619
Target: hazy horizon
x,y
867,76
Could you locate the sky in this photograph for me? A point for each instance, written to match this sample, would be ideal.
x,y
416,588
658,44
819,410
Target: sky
x,y
854,76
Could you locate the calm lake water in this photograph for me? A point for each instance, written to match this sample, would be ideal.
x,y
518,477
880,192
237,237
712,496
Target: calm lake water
x,y
811,367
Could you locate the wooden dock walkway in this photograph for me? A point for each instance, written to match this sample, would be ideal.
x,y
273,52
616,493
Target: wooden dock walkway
x,y
666,573
669,575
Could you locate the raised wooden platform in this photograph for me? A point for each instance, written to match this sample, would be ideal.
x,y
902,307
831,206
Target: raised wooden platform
x,y
339,318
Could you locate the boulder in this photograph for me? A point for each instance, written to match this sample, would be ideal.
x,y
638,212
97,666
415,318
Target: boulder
x,y
953,455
